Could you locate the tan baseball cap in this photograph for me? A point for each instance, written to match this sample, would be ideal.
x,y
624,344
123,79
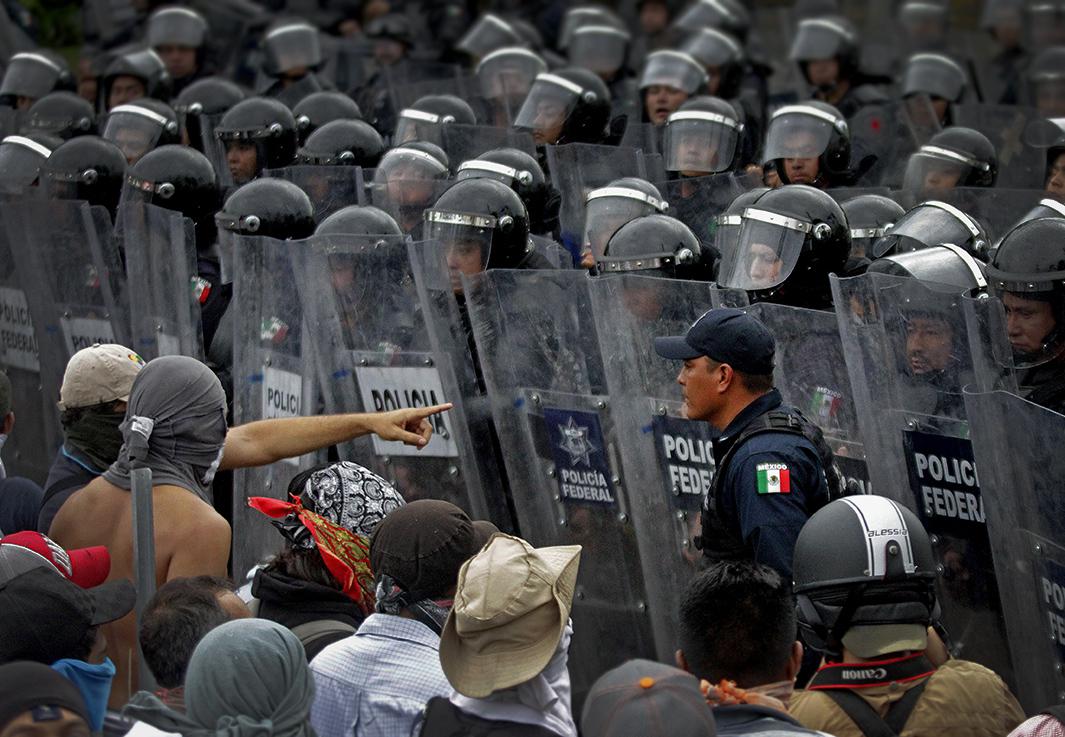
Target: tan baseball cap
x,y
98,374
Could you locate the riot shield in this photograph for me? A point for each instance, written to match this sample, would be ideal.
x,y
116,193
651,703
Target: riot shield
x,y
996,208
30,449
330,188
464,142
578,168
884,135
697,201
274,376
1019,447
908,354
408,83
1020,164
73,280
386,342
645,137
160,251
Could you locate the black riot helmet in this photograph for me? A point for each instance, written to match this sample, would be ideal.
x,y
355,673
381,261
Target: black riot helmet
x,y
426,118
85,168
568,105
581,16
790,240
600,48
488,33
1045,208
508,73
521,172
860,563
176,26
408,179
924,23
656,245
704,136
33,74
343,143
676,69
930,223
935,75
726,15
21,158
202,101
608,208
1046,82
727,225
723,58
178,178
63,114
139,126
828,37
291,46
480,214
319,108
144,66
944,263
954,157
275,208
870,216
265,123
359,220
1029,265
808,130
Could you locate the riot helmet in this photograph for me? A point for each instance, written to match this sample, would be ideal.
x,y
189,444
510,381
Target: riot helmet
x,y
656,245
1046,82
1045,208
584,15
601,49
359,220
1045,24
610,207
426,118
935,75
928,224
199,103
261,126
343,143
809,143
954,157
870,216
268,207
722,57
703,137
1054,177
488,33
508,73
943,263
138,127
790,240
319,108
726,226
178,178
408,179
483,225
725,15
63,114
1027,273
178,35
566,106
521,172
85,168
667,79
21,158
133,76
823,39
924,23
30,75
291,48
860,563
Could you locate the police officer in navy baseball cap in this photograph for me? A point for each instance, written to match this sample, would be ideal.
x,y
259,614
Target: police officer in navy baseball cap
x,y
773,465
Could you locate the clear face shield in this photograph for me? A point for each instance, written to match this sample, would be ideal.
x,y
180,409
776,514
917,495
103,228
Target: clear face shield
x,y
698,143
928,224
20,161
509,73
934,74
607,209
466,238
797,134
600,49
415,125
767,249
549,104
292,49
933,170
29,75
1049,94
135,130
672,69
406,182
489,33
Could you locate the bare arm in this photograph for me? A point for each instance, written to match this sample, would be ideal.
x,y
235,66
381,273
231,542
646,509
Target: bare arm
x,y
210,555
268,441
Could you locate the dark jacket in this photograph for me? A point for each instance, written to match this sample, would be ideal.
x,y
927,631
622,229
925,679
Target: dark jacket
x,y
747,719
444,719
70,472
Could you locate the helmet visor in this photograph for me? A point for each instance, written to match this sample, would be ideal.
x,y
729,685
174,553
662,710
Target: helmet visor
x,y
700,143
406,180
20,161
936,75
672,69
415,125
509,73
926,225
713,48
933,170
30,75
466,239
818,38
600,49
177,27
797,134
549,104
605,214
293,47
480,169
135,132
488,34
767,249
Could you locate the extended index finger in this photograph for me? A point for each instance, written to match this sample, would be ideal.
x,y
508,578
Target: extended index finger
x,y
418,413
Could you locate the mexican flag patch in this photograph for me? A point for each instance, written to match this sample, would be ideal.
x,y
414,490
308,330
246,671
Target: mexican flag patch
x,y
773,478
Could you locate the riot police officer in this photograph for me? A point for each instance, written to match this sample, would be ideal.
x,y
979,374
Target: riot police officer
x,y
342,143
521,172
657,245
667,79
1025,274
954,157
85,168
809,143
21,158
292,54
771,463
139,126
505,77
132,76
359,220
869,216
942,79
408,180
258,133
566,106
319,108
30,75
610,207
426,119
63,114
179,35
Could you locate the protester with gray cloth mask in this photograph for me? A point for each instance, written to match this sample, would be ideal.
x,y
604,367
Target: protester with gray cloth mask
x,y
175,423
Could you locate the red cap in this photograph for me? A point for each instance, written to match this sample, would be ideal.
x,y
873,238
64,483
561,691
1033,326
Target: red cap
x,y
87,567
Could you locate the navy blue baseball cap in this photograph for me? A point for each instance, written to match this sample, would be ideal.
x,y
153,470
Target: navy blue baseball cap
x,y
725,335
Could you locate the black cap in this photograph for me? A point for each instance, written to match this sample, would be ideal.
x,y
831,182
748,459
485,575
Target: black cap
x,y
725,335
47,618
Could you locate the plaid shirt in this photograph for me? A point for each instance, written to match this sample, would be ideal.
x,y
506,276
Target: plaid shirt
x,y
376,682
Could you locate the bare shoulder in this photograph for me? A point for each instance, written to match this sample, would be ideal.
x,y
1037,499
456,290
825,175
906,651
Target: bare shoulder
x,y
84,511
183,509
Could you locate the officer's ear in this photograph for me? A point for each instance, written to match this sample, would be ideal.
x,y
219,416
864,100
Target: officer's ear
x,y
681,661
725,375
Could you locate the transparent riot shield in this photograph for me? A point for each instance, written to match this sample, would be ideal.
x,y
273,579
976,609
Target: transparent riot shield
x,y
464,142
329,187
884,135
408,83
160,252
645,137
578,168
697,201
73,279
274,376
996,208
908,354
387,340
29,450
1020,164
1018,445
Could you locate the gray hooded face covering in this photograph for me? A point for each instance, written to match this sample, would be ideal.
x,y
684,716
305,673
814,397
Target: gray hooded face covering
x,y
175,425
